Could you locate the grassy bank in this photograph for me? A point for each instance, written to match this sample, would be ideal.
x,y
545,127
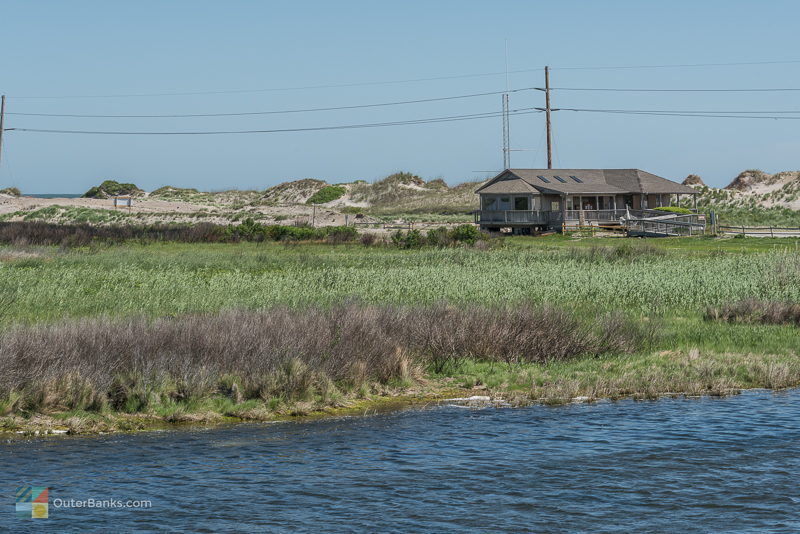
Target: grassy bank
x,y
583,379
127,336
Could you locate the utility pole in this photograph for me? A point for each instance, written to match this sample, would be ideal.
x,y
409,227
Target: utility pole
x,y
549,129
506,134
2,117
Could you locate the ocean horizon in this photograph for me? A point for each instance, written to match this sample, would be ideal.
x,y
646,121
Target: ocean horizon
x,y
53,195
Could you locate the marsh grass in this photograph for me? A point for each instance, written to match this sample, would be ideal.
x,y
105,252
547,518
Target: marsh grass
x,y
174,366
641,376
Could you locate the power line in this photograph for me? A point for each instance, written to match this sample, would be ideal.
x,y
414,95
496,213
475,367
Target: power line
x,y
682,65
680,111
396,82
704,114
626,90
452,118
276,89
274,112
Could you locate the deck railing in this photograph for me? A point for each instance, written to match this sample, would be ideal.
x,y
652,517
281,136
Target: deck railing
x,y
547,216
595,215
512,216
676,226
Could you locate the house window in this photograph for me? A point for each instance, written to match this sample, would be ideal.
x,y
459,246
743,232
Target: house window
x,y
489,203
570,203
521,203
555,205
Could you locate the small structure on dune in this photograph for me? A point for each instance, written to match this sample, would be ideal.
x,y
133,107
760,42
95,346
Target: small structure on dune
x,y
123,201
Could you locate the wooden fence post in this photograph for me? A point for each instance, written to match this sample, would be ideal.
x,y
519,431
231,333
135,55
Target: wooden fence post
x,y
771,233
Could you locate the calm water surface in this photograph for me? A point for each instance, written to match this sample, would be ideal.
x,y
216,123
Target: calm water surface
x,y
696,465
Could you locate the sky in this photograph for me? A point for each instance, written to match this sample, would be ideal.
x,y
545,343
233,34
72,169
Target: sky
x,y
131,58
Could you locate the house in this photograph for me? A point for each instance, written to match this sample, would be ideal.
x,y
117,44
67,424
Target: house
x,y
538,199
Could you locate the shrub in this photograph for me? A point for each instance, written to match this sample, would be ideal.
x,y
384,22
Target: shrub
x,y
369,239
340,234
674,209
329,193
757,311
439,237
465,233
112,188
269,353
408,240
13,191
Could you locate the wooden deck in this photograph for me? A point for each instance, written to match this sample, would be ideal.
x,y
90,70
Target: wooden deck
x,y
511,218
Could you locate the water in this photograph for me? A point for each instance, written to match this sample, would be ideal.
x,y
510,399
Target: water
x,y
696,465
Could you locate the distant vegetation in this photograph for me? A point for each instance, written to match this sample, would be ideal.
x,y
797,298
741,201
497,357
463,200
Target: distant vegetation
x,y
232,199
405,193
329,193
674,209
756,216
12,191
439,237
77,235
112,188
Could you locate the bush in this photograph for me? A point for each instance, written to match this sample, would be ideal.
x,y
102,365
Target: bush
x,y
408,240
269,353
757,311
465,233
674,209
13,191
112,188
369,239
439,237
340,234
329,193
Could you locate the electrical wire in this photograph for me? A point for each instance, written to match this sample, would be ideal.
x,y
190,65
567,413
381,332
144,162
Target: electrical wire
x,y
680,111
275,112
276,89
452,118
678,114
402,81
627,90
683,65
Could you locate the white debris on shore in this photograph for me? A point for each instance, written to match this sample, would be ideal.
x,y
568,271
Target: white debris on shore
x,y
476,401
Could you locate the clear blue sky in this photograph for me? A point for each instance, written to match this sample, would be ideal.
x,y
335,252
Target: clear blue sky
x,y
111,48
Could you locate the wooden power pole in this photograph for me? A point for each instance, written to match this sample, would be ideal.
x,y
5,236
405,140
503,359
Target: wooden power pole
x,y
547,106
2,117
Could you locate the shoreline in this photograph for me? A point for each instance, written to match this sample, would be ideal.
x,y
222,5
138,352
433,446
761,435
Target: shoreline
x,y
440,390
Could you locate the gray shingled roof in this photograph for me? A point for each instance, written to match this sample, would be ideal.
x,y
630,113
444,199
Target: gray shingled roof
x,y
592,181
509,184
